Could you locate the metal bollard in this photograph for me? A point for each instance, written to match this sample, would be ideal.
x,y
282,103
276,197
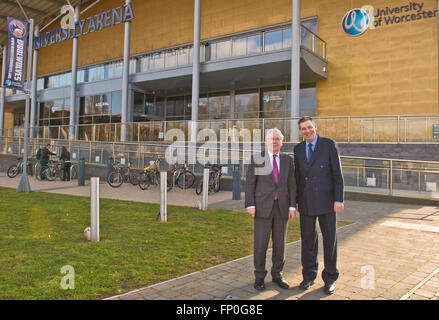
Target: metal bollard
x,y
236,183
81,172
163,196
205,188
94,209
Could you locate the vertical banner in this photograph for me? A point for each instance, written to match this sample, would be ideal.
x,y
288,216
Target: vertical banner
x,y
17,45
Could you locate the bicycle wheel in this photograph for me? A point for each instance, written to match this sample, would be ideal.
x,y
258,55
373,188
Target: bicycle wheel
x,y
13,171
186,180
50,173
37,169
144,181
73,172
115,179
134,178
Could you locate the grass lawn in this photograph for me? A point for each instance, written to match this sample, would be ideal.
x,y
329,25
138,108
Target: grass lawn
x,y
41,232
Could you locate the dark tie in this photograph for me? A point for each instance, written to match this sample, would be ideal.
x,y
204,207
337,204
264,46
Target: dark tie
x,y
309,151
276,173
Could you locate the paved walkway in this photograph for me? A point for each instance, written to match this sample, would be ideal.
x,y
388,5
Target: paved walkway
x,y
390,252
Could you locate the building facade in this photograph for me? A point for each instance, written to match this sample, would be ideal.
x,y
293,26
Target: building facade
x,y
245,66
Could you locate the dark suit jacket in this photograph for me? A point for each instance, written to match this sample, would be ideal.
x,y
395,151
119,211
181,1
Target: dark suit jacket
x,y
319,182
261,188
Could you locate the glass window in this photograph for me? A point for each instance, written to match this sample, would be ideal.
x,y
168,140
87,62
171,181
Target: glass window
x,y
101,119
203,104
40,83
47,107
286,38
106,103
116,104
144,63
55,121
160,107
273,40
183,56
89,105
223,49
133,65
157,61
307,101
66,109
115,70
171,59
247,104
96,73
80,76
139,104
275,104
219,105
175,108
239,46
254,44
57,109
85,120
213,51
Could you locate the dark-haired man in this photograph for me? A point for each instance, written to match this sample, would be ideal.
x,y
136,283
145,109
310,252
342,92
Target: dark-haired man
x,y
319,195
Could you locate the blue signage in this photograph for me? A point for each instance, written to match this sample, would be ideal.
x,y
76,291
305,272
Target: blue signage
x,y
17,46
355,22
100,21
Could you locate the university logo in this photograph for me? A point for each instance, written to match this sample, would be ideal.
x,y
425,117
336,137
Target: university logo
x,y
355,22
17,28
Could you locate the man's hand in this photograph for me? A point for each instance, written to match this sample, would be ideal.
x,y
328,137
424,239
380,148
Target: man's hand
x,y
291,215
251,211
338,206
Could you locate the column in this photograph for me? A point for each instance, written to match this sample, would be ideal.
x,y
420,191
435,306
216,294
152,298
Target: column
x,y
24,185
195,72
295,69
125,77
33,108
3,90
73,100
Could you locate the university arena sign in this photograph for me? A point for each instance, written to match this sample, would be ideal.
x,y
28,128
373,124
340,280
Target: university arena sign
x,y
356,21
97,22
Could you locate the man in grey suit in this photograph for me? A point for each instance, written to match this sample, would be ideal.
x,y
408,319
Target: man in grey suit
x,y
270,198
319,195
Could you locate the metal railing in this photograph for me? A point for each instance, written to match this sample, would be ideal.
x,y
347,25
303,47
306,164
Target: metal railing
x,y
367,129
384,176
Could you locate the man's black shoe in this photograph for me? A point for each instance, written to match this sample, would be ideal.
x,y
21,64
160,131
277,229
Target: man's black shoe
x,y
305,284
281,283
259,284
329,288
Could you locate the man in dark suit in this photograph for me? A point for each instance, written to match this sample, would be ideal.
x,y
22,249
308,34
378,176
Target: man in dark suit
x,y
319,195
270,198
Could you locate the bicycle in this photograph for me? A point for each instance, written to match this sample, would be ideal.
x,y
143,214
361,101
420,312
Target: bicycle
x,y
214,180
121,174
183,177
150,175
53,170
15,169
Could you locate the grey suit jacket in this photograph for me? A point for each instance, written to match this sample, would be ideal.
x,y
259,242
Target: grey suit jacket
x,y
261,188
